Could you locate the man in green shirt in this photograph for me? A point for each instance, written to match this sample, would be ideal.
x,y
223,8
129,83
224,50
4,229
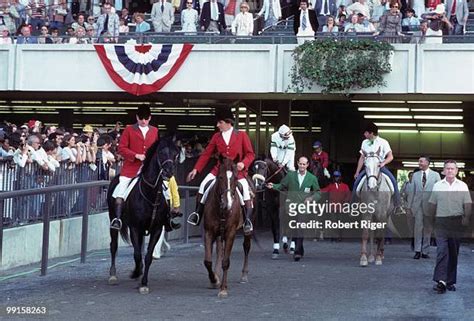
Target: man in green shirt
x,y
302,187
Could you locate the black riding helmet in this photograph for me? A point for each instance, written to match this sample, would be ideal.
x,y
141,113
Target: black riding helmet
x,y
371,128
225,114
143,112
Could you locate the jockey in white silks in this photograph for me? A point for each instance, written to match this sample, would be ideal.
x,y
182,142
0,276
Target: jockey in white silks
x,y
283,147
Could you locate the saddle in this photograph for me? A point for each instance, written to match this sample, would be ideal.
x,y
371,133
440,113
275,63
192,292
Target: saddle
x,y
240,190
364,179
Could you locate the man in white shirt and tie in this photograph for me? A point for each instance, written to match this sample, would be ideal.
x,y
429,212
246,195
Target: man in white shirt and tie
x,y
423,182
324,9
162,16
305,24
212,17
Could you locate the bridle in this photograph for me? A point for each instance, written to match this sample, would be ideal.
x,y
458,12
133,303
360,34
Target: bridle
x,y
377,177
266,170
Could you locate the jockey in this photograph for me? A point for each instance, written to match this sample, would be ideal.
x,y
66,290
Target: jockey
x,y
283,148
372,143
321,157
232,144
134,142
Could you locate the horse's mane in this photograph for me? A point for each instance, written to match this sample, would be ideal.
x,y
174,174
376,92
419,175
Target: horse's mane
x,y
149,154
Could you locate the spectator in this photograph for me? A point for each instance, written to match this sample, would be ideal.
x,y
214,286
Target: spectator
x,y
438,25
8,14
105,157
330,26
457,14
26,37
324,9
80,37
37,13
341,22
81,22
5,38
189,18
44,37
90,33
124,14
70,150
341,11
57,139
162,16
411,23
391,23
368,26
379,11
141,24
108,24
431,5
46,156
212,17
57,15
305,24
243,22
354,25
272,11
91,22
55,36
123,28
359,7
420,36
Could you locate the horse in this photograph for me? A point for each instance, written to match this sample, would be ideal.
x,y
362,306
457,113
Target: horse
x,y
376,191
317,169
146,210
265,170
222,218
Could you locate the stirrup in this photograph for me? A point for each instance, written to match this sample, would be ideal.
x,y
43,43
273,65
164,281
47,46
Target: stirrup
x,y
399,210
248,227
192,222
119,223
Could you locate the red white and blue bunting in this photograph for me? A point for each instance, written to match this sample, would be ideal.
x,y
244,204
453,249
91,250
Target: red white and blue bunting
x,y
142,69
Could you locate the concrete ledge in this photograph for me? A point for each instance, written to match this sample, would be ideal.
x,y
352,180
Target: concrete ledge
x,y
22,245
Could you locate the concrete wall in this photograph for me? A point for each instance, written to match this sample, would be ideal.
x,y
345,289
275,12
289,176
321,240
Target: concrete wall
x,y
22,245
238,68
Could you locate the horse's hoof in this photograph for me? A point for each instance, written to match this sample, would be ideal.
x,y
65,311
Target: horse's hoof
x,y
223,294
363,261
144,290
244,279
371,259
113,280
378,260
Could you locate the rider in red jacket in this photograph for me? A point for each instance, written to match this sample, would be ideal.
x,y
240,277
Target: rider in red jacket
x,y
134,142
229,143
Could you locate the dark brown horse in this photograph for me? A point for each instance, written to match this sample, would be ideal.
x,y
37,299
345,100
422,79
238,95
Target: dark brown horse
x,y
222,218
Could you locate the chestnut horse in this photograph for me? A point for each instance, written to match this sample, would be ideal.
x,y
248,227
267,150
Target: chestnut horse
x,y
222,218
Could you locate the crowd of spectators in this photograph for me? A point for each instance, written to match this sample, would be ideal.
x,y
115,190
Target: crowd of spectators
x,y
42,21
391,19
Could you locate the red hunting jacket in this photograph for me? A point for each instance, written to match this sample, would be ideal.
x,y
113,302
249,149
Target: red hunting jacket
x,y
322,158
338,193
239,147
132,143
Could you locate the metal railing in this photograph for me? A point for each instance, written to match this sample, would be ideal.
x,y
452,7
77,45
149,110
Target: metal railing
x,y
49,211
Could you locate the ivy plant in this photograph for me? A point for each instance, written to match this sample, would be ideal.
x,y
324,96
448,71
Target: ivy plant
x,y
340,65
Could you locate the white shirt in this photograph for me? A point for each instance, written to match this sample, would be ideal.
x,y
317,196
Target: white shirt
x,y
242,24
450,204
227,134
427,172
144,130
214,11
369,147
283,150
305,15
301,178
322,13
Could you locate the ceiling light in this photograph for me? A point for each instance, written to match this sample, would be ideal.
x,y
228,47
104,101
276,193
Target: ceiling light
x,y
437,117
379,101
441,125
441,132
396,124
403,131
434,102
441,110
382,109
388,116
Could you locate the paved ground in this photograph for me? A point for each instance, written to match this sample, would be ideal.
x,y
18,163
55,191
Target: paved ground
x,y
327,284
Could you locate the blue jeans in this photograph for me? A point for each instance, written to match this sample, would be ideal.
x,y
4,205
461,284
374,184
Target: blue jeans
x,y
384,170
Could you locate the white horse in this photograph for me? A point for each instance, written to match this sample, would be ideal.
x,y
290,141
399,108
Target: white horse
x,y
375,190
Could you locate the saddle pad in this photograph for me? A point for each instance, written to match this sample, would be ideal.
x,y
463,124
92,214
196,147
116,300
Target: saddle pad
x,y
132,184
362,182
209,186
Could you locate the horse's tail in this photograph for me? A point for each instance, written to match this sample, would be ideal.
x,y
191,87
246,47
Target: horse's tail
x,y
124,232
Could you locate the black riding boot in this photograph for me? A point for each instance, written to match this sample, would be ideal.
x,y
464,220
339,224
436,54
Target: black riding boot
x,y
116,223
248,226
195,217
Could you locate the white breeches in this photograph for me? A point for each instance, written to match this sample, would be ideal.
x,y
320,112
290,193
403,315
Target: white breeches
x,y
210,177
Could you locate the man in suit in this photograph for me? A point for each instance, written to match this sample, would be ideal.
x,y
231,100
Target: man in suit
x,y
162,16
108,23
213,17
302,187
305,24
324,9
272,11
457,13
423,182
26,37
